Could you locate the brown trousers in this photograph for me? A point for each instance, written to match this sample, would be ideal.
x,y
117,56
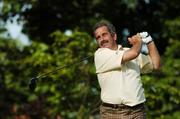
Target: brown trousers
x,y
122,113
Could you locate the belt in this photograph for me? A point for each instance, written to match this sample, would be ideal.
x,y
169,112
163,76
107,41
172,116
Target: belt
x,y
122,106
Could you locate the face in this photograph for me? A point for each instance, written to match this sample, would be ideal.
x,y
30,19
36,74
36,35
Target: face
x,y
105,39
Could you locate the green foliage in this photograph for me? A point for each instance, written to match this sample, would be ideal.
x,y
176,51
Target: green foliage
x,y
162,88
42,17
73,91
11,92
70,92
172,28
73,84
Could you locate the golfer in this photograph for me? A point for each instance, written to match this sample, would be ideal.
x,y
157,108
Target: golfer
x,y
119,72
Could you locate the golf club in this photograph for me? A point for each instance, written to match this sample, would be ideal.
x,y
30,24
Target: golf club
x,y
33,81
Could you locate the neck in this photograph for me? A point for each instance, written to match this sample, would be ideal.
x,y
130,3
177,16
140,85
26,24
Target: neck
x,y
115,47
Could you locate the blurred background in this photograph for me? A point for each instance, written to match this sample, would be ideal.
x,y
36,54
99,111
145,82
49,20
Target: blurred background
x,y
38,36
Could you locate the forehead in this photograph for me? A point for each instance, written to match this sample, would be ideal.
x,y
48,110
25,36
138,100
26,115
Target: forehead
x,y
101,29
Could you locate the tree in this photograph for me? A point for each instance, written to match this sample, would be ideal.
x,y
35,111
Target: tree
x,y
162,90
73,91
42,17
70,92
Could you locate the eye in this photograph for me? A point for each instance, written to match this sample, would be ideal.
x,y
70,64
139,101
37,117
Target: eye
x,y
97,37
104,34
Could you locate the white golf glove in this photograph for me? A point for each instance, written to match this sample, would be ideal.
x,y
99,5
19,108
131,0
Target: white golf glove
x,y
146,38
144,49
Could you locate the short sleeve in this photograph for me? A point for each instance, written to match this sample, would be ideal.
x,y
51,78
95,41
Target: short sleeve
x,y
145,63
106,59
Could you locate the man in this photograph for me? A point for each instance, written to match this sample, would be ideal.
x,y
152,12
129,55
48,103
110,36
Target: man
x,y
118,70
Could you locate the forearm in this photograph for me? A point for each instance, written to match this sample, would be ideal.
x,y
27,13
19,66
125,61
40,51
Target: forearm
x,y
154,54
133,52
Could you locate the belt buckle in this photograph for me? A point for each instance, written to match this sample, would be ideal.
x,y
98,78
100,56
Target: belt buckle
x,y
115,106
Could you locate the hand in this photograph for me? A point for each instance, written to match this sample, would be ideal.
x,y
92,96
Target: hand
x,y
146,38
134,51
134,39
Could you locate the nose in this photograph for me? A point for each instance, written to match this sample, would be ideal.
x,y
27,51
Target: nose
x,y
101,39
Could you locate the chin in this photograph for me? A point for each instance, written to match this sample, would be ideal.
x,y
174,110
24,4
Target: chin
x,y
106,46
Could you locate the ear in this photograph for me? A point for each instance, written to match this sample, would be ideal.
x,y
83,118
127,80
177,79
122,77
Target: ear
x,y
115,36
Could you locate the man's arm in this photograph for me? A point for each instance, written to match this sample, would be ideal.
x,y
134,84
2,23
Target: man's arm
x,y
134,51
154,55
153,52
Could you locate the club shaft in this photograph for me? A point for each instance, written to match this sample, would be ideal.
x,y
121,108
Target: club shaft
x,y
62,67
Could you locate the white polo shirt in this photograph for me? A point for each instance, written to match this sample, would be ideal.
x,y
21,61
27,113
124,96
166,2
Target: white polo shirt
x,y
121,83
